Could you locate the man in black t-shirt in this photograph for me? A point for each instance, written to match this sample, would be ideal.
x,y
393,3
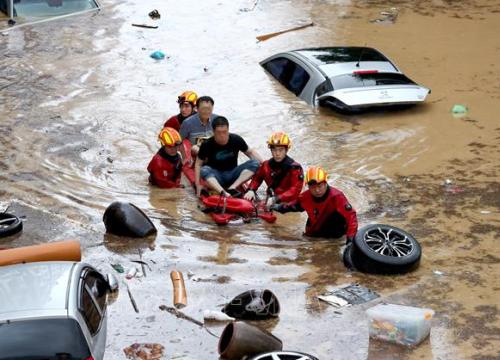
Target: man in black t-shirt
x,y
217,161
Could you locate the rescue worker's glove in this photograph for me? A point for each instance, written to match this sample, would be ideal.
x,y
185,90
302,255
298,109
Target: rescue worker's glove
x,y
270,202
249,195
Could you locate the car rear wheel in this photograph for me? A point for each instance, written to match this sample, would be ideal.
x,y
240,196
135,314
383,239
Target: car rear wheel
x,y
9,224
385,249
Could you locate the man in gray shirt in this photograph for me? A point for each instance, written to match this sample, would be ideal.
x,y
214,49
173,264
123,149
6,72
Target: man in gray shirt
x,y
198,127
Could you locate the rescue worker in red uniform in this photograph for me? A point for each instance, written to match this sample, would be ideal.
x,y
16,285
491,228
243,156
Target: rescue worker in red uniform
x,y
165,168
187,107
283,176
330,215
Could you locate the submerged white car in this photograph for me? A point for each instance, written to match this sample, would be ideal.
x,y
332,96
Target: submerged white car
x,y
52,311
349,79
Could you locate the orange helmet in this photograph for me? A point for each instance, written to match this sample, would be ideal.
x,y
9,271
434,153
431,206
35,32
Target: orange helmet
x,y
279,138
169,137
316,174
187,96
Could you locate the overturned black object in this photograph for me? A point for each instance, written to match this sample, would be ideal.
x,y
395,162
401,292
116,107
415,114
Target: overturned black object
x,y
9,224
239,339
126,219
154,14
253,305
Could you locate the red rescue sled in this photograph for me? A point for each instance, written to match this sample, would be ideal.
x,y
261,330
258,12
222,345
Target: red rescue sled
x,y
226,209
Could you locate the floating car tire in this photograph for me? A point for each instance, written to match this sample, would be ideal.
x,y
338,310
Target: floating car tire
x,y
347,257
284,355
9,224
385,249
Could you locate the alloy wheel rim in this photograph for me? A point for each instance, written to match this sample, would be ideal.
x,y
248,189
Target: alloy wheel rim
x,y
388,242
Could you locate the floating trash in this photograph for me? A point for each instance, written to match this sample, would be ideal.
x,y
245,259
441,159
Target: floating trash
x,y
154,14
157,55
459,110
405,325
118,267
352,294
214,315
144,351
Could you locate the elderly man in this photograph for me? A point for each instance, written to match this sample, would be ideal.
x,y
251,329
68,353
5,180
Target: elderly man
x,y
219,158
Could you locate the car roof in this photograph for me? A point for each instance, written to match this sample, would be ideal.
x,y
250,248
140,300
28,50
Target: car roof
x,y
38,289
340,60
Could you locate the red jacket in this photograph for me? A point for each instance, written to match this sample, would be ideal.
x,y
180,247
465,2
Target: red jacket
x,y
165,170
174,122
285,179
329,216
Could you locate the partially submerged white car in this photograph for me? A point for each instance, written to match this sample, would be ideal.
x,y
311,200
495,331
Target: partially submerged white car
x,y
349,79
52,311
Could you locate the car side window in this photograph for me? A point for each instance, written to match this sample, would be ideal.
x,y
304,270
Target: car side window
x,y
93,300
290,74
276,66
90,312
98,288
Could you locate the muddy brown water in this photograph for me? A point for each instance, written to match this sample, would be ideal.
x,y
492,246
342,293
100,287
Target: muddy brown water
x,y
81,103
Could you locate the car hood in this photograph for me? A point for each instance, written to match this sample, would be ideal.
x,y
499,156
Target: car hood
x,y
379,95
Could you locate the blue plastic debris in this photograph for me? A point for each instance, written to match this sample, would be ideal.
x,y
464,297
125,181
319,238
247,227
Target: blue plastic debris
x,y
157,55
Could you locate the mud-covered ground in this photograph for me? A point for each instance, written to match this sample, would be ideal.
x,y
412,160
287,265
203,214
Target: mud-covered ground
x,y
81,103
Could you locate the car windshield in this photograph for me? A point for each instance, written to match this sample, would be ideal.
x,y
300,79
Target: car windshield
x,y
42,339
323,56
369,79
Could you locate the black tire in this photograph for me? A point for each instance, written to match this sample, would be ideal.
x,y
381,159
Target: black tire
x,y
347,257
385,249
9,224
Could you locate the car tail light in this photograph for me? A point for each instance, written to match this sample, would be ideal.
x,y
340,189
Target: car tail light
x,y
361,72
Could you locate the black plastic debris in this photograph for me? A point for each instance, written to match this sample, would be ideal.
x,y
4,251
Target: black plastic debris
x,y
10,224
126,219
253,305
284,355
154,14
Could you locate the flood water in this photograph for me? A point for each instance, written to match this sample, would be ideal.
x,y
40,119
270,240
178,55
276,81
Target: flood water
x,y
82,102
